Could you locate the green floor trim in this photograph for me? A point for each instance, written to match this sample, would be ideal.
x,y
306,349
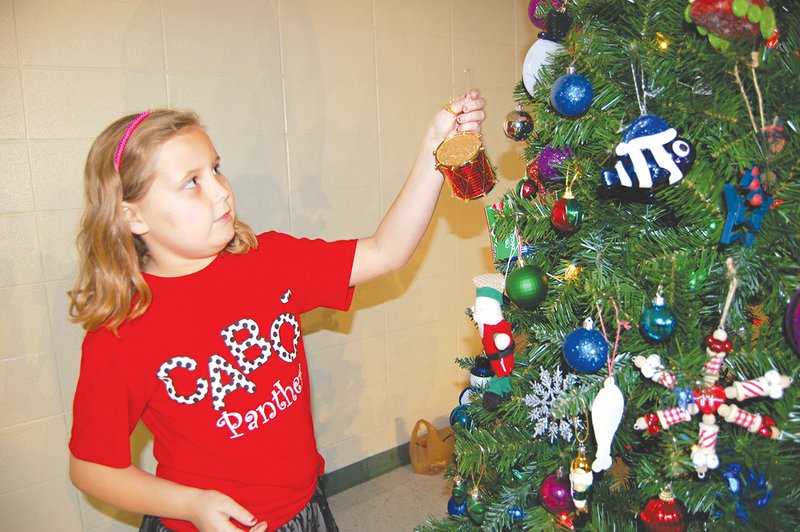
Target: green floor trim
x,y
364,470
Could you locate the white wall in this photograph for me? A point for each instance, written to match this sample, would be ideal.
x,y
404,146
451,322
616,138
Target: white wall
x,y
316,107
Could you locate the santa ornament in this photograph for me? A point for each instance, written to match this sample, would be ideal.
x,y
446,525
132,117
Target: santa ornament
x,y
495,331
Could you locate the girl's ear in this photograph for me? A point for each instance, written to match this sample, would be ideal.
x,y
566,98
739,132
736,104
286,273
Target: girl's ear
x,y
135,222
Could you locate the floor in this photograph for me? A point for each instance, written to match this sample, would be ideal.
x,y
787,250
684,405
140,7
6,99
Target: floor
x,y
396,501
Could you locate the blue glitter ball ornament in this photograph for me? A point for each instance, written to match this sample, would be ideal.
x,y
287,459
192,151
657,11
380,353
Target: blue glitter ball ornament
x,y
585,348
455,509
658,321
571,94
460,416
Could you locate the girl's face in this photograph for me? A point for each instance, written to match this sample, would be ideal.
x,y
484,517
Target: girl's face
x,y
186,216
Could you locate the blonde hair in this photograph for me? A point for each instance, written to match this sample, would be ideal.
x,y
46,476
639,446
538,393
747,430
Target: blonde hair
x,y
110,288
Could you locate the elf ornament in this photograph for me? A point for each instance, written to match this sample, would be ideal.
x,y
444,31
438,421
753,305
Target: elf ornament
x,y
580,480
495,332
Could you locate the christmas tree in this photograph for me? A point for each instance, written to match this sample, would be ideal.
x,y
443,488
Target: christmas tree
x,y
661,203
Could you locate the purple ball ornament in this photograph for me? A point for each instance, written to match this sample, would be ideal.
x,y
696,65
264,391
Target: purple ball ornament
x,y
555,494
793,321
550,160
539,22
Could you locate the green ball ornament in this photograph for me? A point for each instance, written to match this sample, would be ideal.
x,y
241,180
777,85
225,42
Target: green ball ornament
x,y
527,287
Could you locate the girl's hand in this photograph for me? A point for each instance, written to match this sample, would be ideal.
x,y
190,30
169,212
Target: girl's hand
x,y
212,511
463,113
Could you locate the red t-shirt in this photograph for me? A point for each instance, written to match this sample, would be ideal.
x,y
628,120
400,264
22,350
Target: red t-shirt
x,y
217,371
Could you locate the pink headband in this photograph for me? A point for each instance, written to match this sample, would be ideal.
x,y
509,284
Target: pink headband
x,y
126,137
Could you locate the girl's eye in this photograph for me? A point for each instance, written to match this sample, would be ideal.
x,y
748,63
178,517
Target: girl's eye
x,y
192,183
215,169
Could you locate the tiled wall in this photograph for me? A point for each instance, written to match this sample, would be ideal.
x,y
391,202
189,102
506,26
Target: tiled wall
x,y
316,107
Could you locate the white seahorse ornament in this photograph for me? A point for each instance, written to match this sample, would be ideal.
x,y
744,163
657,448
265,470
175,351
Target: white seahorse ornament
x,y
606,415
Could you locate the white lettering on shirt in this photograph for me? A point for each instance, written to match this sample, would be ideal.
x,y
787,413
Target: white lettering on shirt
x,y
280,398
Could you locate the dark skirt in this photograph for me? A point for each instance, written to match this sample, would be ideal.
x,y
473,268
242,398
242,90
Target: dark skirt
x,y
316,516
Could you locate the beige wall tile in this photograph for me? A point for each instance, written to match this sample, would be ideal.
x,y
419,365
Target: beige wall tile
x,y
68,335
8,34
16,188
217,38
327,51
81,103
255,102
24,323
332,106
351,13
19,242
351,413
57,232
351,450
326,328
50,505
89,33
33,453
336,214
407,108
426,17
413,59
325,163
428,347
33,392
347,368
492,64
496,21
257,169
12,110
57,170
426,300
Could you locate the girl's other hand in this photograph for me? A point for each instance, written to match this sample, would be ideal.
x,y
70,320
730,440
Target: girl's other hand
x,y
212,511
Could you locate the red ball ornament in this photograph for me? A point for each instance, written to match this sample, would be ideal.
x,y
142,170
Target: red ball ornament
x,y
527,188
556,494
664,513
567,213
653,423
709,399
719,343
766,428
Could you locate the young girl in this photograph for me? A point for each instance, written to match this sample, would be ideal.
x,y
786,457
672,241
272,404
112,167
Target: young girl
x,y
193,326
